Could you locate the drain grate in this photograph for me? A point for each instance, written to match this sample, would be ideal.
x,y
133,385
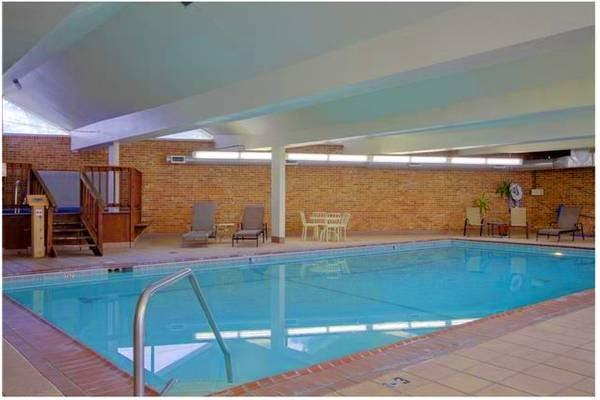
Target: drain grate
x,y
397,381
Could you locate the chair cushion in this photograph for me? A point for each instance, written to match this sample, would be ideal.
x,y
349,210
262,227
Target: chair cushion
x,y
248,232
553,231
196,235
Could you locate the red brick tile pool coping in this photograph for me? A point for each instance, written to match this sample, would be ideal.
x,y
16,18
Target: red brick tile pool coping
x,y
331,375
72,367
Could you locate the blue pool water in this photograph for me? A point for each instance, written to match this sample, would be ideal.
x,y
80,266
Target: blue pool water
x,y
288,312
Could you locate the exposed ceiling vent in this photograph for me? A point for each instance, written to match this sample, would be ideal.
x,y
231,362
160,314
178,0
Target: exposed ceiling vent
x,y
578,158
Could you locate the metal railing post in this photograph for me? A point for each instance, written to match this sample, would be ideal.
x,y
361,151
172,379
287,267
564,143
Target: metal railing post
x,y
138,327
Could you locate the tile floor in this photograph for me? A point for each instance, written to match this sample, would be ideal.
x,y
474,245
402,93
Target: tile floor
x,y
553,357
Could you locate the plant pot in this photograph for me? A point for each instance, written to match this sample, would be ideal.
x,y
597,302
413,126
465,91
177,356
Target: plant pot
x,y
503,230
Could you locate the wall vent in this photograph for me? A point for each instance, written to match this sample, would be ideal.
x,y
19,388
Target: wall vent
x,y
176,159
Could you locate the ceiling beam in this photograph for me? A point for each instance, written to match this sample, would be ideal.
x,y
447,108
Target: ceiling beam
x,y
459,39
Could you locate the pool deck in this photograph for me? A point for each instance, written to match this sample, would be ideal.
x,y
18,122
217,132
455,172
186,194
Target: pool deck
x,y
544,349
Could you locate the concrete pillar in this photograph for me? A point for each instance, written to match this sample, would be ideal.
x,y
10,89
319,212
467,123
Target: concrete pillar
x,y
113,178
278,195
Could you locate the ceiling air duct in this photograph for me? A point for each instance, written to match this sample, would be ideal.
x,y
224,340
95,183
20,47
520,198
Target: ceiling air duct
x,y
578,158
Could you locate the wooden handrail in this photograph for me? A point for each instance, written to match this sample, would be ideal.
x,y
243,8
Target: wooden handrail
x,y
92,209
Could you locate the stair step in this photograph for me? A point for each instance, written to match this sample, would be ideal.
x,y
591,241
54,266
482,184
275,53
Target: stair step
x,y
62,238
60,223
69,230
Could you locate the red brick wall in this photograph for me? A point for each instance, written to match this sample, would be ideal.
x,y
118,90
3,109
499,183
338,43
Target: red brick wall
x,y
378,199
46,152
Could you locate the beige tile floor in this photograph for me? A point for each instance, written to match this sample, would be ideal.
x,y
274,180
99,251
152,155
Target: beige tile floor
x,y
553,357
20,378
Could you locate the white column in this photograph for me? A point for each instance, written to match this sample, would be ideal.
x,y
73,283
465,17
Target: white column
x,y
278,195
113,178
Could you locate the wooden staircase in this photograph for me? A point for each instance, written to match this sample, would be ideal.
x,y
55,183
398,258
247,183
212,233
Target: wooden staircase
x,y
69,231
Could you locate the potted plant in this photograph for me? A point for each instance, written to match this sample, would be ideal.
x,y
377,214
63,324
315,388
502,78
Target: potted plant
x,y
483,203
503,190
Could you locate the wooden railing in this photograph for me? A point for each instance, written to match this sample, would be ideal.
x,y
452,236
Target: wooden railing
x,y
121,190
92,208
37,186
119,187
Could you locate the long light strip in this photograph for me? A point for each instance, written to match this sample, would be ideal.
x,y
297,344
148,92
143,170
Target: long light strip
x,y
216,155
348,158
306,157
428,160
504,161
468,160
355,158
255,155
391,159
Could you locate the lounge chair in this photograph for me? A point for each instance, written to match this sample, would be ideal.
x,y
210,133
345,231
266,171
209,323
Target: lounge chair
x,y
203,224
518,219
252,225
566,223
473,219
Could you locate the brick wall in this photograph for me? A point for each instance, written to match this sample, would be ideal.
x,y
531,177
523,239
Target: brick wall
x,y
379,199
46,152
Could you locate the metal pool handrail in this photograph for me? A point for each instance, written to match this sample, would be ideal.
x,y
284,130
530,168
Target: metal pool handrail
x,y
138,326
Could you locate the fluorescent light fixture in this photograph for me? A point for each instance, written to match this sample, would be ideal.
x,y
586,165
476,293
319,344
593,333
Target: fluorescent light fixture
x,y
347,328
391,159
255,155
216,155
504,161
265,333
348,157
467,160
306,157
384,326
427,324
316,330
428,160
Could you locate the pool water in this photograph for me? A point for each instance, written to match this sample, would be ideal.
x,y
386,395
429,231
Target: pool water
x,y
290,312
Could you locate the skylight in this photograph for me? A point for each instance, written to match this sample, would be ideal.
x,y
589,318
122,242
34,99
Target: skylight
x,y
15,120
195,134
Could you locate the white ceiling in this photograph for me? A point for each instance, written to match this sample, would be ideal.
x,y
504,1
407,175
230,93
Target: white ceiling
x,y
383,77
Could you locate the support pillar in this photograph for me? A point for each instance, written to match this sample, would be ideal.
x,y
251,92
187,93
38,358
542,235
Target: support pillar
x,y
278,195
113,194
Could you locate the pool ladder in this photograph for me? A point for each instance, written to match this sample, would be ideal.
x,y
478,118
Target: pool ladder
x,y
138,329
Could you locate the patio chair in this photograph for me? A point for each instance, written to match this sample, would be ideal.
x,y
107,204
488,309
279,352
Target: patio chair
x,y
307,225
252,225
566,223
518,219
342,227
473,219
203,224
